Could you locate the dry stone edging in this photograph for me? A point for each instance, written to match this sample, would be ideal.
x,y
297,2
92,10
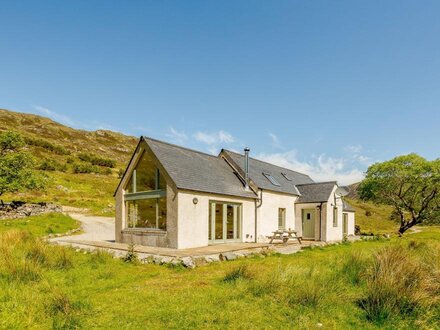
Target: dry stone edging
x,y
20,210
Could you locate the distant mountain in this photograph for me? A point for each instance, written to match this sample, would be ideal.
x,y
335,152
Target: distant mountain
x,y
82,166
101,142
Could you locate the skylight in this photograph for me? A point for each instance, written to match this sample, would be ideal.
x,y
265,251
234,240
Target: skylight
x,y
286,176
271,179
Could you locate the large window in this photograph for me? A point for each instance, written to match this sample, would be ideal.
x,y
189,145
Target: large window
x,y
147,213
145,196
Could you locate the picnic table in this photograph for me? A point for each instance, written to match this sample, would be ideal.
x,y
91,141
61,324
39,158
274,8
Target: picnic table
x,y
285,236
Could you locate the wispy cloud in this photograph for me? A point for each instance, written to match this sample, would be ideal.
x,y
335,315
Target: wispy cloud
x,y
320,168
175,136
275,140
214,138
353,148
55,116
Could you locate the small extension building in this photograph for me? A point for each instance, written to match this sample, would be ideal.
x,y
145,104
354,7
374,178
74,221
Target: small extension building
x,y
179,198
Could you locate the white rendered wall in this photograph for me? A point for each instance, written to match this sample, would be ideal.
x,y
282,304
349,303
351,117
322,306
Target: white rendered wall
x,y
351,223
334,233
268,213
193,218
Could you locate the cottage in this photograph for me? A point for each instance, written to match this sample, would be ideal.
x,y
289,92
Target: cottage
x,y
179,198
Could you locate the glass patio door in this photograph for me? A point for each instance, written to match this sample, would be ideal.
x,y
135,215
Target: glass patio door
x,y
224,222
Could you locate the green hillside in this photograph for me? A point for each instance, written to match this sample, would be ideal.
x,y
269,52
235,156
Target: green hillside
x,y
81,166
373,218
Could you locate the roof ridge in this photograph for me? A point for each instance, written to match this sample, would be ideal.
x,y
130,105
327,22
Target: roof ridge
x,y
262,161
180,147
306,184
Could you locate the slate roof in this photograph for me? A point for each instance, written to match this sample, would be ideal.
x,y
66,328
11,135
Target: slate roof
x,y
194,170
315,192
347,207
258,167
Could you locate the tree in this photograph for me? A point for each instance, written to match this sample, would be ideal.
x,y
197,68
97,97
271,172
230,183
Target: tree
x,y
410,183
16,165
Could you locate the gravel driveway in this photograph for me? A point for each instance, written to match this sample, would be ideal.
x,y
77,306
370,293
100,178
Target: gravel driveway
x,y
94,229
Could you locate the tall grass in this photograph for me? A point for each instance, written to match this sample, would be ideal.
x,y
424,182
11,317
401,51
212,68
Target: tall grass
x,y
399,284
23,256
236,273
292,286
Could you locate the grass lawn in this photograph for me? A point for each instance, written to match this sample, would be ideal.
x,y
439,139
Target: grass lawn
x,y
340,287
41,225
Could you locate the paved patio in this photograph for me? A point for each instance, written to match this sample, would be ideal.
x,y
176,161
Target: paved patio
x,y
193,252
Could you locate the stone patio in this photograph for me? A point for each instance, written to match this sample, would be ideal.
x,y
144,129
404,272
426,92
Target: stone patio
x,y
190,257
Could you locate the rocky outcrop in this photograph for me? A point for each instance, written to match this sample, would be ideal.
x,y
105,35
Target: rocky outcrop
x,y
18,209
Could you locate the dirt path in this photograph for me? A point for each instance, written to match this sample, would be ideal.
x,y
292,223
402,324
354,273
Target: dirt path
x,y
94,229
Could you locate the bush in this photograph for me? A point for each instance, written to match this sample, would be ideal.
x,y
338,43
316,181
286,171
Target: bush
x,y
59,150
84,168
52,165
398,284
96,160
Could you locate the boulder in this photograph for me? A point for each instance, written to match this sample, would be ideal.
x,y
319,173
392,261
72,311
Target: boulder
x,y
228,256
188,262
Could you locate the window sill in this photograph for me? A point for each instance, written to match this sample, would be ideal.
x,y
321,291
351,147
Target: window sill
x,y
145,231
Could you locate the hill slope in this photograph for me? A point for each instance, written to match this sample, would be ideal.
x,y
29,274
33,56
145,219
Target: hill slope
x,y
64,149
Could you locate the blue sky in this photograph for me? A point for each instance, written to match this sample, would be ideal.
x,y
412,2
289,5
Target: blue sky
x,y
323,87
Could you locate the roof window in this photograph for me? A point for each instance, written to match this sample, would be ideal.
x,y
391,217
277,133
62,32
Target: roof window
x,y
286,176
271,179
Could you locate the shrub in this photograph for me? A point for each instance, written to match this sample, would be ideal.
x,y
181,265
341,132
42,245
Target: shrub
x,y
120,173
240,272
131,255
399,284
97,160
52,165
84,168
57,149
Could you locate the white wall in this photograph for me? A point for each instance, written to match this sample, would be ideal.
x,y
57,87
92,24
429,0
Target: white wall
x,y
193,218
267,213
334,233
351,223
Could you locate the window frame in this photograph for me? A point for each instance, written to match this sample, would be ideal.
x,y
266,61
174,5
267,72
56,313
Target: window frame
x,y
144,195
271,179
335,216
282,217
288,178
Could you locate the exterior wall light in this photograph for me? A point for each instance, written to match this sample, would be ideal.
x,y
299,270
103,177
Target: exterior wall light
x,y
195,200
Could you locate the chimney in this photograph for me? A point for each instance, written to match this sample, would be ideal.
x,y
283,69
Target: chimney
x,y
246,168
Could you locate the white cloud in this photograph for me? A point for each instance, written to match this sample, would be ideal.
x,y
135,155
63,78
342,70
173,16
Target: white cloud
x,y
214,137
176,136
356,149
321,168
275,140
55,116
